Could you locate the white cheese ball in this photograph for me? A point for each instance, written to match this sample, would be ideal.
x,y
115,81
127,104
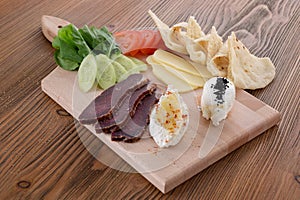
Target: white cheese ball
x,y
217,99
168,119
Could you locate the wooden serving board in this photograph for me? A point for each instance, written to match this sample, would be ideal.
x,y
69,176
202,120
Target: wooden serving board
x,y
202,144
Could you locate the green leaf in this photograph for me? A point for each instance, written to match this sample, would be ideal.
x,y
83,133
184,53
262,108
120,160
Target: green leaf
x,y
69,53
87,35
71,48
55,42
64,63
100,40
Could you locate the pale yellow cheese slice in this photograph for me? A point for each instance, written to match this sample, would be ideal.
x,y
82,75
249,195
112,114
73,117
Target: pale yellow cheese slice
x,y
202,69
168,77
175,61
191,79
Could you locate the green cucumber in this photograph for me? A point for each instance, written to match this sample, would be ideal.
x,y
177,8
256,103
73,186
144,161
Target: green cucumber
x,y
140,65
119,70
126,62
106,76
87,73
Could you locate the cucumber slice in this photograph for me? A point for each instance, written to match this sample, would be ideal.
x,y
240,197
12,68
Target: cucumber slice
x,y
132,71
140,64
106,76
126,62
87,73
119,70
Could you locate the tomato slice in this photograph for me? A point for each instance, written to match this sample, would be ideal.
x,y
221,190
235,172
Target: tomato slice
x,y
148,51
129,41
133,42
150,37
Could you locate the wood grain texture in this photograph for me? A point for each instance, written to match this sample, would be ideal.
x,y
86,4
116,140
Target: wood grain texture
x,y
41,155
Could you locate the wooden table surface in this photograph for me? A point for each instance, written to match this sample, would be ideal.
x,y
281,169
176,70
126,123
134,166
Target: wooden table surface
x,y
41,154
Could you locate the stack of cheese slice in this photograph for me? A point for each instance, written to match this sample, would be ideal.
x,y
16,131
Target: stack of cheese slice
x,y
174,70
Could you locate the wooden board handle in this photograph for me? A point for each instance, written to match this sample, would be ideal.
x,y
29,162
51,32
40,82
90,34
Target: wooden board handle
x,y
51,25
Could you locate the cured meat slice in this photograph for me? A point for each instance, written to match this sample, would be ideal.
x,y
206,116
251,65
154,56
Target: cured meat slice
x,y
119,117
136,125
109,100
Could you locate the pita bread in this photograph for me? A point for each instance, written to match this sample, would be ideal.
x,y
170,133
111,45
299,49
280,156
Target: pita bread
x,y
202,49
172,37
183,25
177,35
246,70
219,63
193,29
214,43
196,52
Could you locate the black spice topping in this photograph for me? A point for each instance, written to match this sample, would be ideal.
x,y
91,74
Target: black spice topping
x,y
219,89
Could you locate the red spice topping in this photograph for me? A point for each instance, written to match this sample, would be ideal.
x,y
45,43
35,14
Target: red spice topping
x,y
175,111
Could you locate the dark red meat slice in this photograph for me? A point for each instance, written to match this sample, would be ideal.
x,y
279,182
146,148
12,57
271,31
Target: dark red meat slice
x,y
111,99
119,117
136,125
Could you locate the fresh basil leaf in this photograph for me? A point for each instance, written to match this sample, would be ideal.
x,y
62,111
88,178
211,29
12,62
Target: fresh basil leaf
x,y
100,40
71,48
87,35
74,45
55,42
64,63
69,53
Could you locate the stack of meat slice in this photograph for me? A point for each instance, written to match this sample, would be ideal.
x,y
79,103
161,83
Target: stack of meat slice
x,y
123,110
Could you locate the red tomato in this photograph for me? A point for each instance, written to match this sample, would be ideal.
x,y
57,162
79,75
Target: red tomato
x,y
148,51
139,41
129,41
150,37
